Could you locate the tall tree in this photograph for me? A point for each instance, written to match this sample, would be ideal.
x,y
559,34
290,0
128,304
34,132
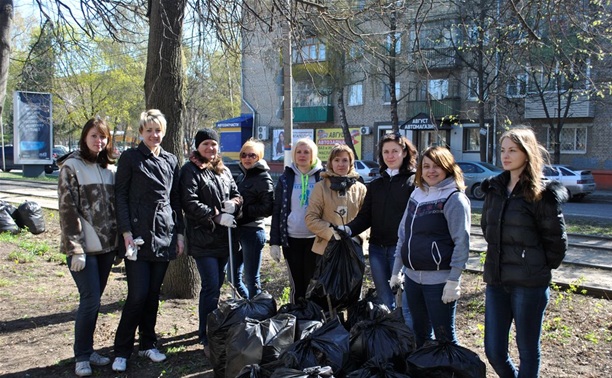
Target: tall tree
x,y
6,25
565,40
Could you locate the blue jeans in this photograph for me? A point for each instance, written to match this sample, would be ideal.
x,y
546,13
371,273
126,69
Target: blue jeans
x,y
526,306
144,280
429,313
212,274
381,266
247,263
91,283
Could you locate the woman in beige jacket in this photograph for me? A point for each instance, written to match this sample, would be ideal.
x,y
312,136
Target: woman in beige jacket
x,y
336,199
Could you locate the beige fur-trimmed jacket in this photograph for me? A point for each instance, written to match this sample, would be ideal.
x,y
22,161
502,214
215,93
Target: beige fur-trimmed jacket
x,y
325,204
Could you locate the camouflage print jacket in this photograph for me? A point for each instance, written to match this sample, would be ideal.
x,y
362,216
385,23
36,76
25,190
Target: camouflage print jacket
x,y
86,207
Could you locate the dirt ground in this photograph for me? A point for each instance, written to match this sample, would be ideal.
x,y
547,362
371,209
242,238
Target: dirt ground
x,y
38,301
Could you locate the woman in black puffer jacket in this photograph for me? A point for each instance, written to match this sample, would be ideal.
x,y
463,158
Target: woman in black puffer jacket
x,y
525,232
257,190
210,200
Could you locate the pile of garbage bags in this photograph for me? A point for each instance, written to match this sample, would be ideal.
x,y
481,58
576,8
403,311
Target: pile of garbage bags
x,y
252,338
28,215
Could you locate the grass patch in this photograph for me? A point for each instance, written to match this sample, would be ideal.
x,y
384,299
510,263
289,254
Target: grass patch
x,y
584,226
19,176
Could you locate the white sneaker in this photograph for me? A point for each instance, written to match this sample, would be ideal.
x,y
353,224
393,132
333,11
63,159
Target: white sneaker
x,y
154,354
98,360
82,369
120,364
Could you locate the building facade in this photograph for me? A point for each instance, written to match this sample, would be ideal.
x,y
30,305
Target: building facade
x,y
437,86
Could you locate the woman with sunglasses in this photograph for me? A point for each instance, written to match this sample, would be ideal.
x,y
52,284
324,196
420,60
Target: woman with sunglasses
x,y
257,190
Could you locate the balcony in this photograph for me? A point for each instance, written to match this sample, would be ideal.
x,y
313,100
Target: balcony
x,y
436,59
313,114
581,107
439,108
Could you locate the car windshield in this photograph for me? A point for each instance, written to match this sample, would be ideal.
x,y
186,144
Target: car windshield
x,y
490,166
370,163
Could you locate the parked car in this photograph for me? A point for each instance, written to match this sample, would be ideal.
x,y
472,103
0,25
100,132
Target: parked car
x,y
367,169
474,173
233,166
10,162
59,151
578,182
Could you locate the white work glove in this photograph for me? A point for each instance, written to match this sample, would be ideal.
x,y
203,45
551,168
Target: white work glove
x,y
77,263
229,207
275,253
345,229
451,292
131,253
396,281
226,220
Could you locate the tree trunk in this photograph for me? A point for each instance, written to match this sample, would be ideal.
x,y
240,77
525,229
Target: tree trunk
x,y
164,91
6,25
344,123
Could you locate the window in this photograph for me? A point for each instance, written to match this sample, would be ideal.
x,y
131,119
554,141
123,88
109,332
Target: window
x,y
431,37
434,138
309,50
471,139
397,41
387,93
573,139
436,89
473,88
355,95
306,95
356,50
517,85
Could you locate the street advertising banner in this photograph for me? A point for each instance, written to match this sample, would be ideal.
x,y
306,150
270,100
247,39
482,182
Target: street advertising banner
x,y
33,128
328,138
278,141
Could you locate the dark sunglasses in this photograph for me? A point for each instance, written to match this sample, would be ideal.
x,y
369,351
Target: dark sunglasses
x,y
245,155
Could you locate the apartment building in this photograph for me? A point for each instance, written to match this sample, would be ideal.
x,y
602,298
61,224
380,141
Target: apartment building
x,y
436,85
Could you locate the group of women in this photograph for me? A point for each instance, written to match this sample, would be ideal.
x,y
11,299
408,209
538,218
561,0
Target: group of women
x,y
418,215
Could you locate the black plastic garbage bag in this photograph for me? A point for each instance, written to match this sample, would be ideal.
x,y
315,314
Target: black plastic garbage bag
x,y
445,359
309,316
378,368
7,223
368,308
260,371
29,214
326,346
257,342
339,275
386,337
230,312
312,372
9,207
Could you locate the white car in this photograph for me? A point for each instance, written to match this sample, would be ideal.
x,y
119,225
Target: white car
x,y
578,182
367,169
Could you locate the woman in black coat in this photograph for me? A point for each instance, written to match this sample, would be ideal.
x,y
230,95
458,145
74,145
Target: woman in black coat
x,y
525,232
257,190
383,209
150,220
210,200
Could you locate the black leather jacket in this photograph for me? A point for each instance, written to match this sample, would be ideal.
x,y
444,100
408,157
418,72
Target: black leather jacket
x,y
526,240
383,208
202,193
257,190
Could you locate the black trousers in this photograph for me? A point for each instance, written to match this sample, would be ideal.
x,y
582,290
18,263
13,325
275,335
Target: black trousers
x,y
302,263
